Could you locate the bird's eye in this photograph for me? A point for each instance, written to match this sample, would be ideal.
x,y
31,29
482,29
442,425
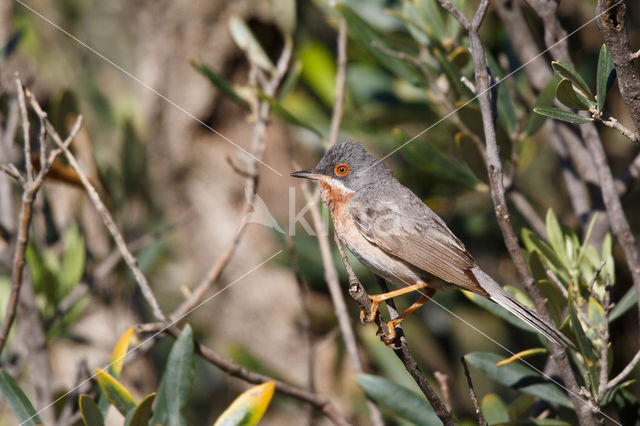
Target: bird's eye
x,y
341,169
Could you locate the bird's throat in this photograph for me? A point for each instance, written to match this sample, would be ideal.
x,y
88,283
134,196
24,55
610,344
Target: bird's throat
x,y
334,194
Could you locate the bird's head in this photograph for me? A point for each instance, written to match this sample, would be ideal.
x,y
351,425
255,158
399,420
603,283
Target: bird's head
x,y
346,166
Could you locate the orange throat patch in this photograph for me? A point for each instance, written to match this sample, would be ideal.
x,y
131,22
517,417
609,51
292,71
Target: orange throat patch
x,y
335,195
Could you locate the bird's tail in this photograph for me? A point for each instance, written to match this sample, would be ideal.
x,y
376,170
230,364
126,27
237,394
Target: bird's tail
x,y
504,299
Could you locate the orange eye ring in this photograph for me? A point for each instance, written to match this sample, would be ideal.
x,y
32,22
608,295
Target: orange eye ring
x,y
341,169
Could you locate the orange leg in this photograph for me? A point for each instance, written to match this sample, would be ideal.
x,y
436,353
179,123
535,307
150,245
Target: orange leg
x,y
376,299
391,325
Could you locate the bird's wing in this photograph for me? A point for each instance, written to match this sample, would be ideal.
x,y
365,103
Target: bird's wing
x,y
416,235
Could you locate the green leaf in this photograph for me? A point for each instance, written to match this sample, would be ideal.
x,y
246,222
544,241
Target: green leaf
x,y
117,394
556,238
628,301
248,408
518,377
290,81
282,112
430,14
399,399
506,107
494,409
246,41
142,413
610,266
584,344
605,75
428,159
545,99
17,400
532,242
566,71
220,82
566,95
562,115
160,412
284,15
534,422
91,415
178,377
73,260
367,35
319,70
595,312
497,310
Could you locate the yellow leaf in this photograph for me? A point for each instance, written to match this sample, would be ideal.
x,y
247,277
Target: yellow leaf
x,y
119,352
249,407
520,355
116,393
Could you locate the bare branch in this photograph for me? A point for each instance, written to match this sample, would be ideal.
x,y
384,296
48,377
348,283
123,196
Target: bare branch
x,y
615,124
359,294
102,210
472,394
494,168
321,403
611,20
625,372
341,77
25,132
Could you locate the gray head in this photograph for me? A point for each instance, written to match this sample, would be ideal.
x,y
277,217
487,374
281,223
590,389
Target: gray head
x,y
348,164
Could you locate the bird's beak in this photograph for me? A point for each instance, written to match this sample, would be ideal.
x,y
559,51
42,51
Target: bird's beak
x,y
307,174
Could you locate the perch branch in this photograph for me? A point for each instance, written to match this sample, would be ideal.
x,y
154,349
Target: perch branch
x,y
359,294
494,169
472,394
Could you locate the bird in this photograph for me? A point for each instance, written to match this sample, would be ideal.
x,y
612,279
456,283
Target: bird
x,y
398,237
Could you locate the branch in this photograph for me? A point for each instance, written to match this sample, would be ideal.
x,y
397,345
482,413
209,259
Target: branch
x,y
611,20
341,78
494,168
359,294
625,372
472,394
615,124
30,184
321,403
102,210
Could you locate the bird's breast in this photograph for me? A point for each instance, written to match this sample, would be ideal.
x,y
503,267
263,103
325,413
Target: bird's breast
x,y
370,255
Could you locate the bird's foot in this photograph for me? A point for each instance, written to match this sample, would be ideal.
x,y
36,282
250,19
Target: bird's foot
x,y
373,311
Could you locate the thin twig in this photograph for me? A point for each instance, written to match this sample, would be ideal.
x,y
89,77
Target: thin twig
x,y
443,383
359,294
494,169
321,403
106,217
472,394
625,372
341,77
557,283
615,124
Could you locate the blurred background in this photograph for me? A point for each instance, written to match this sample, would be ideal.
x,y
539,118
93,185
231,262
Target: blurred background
x,y
167,179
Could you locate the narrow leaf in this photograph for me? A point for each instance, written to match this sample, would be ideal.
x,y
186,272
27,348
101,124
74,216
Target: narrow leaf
x,y
91,415
494,409
220,82
628,301
556,238
545,99
72,261
178,376
117,394
522,355
401,400
566,71
584,344
142,413
518,377
566,95
562,115
17,400
119,352
605,75
246,41
284,15
282,112
248,408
